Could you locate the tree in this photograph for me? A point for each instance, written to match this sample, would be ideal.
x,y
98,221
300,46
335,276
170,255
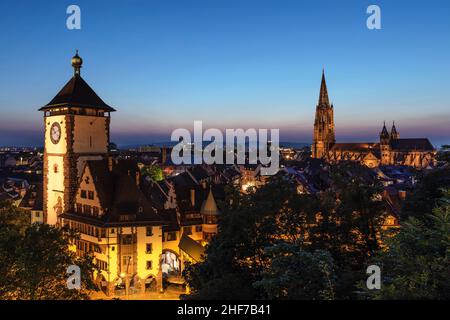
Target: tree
x,y
416,264
154,172
236,257
349,221
444,154
35,259
427,193
276,243
297,274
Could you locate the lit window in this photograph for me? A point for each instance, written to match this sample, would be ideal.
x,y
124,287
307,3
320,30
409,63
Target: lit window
x,y
171,236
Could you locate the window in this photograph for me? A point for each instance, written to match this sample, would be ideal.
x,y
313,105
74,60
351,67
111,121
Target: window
x,y
207,236
149,231
83,194
91,195
102,265
198,228
127,239
149,265
112,231
37,214
171,236
95,211
209,219
148,248
55,168
187,230
86,209
79,208
103,233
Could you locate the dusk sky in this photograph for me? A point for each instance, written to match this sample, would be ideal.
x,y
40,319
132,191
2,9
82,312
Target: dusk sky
x,y
247,63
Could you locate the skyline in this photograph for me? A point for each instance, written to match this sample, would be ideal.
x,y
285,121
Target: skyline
x,y
164,65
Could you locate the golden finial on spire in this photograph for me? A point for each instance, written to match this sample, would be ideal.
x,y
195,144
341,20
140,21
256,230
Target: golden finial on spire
x,y
76,63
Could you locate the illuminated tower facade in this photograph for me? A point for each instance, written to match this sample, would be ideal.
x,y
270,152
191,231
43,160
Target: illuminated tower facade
x,y
385,146
76,123
324,123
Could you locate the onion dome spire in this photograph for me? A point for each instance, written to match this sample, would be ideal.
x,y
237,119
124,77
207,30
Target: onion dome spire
x,y
76,63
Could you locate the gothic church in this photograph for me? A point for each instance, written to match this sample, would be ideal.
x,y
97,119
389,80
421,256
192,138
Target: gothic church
x,y
390,150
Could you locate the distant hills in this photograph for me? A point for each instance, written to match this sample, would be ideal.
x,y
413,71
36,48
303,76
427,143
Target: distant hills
x,y
171,144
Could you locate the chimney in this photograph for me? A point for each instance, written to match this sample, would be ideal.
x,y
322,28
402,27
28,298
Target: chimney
x,y
402,195
164,155
193,197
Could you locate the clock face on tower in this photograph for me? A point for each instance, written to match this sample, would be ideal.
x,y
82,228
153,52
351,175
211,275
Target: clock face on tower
x,y
55,132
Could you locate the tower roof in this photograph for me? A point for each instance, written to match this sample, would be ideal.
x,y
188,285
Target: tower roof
x,y
77,93
209,206
394,129
323,96
384,132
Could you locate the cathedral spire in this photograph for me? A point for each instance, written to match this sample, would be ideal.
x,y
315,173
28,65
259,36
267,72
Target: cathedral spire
x,y
394,133
384,135
323,96
324,137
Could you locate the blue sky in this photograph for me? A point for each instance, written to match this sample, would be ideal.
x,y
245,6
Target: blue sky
x,y
230,63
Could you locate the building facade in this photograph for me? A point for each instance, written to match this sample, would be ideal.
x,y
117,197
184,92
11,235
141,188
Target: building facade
x,y
137,233
390,150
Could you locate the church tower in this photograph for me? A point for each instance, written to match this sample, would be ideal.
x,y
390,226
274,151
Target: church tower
x,y
76,123
394,134
385,146
324,123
